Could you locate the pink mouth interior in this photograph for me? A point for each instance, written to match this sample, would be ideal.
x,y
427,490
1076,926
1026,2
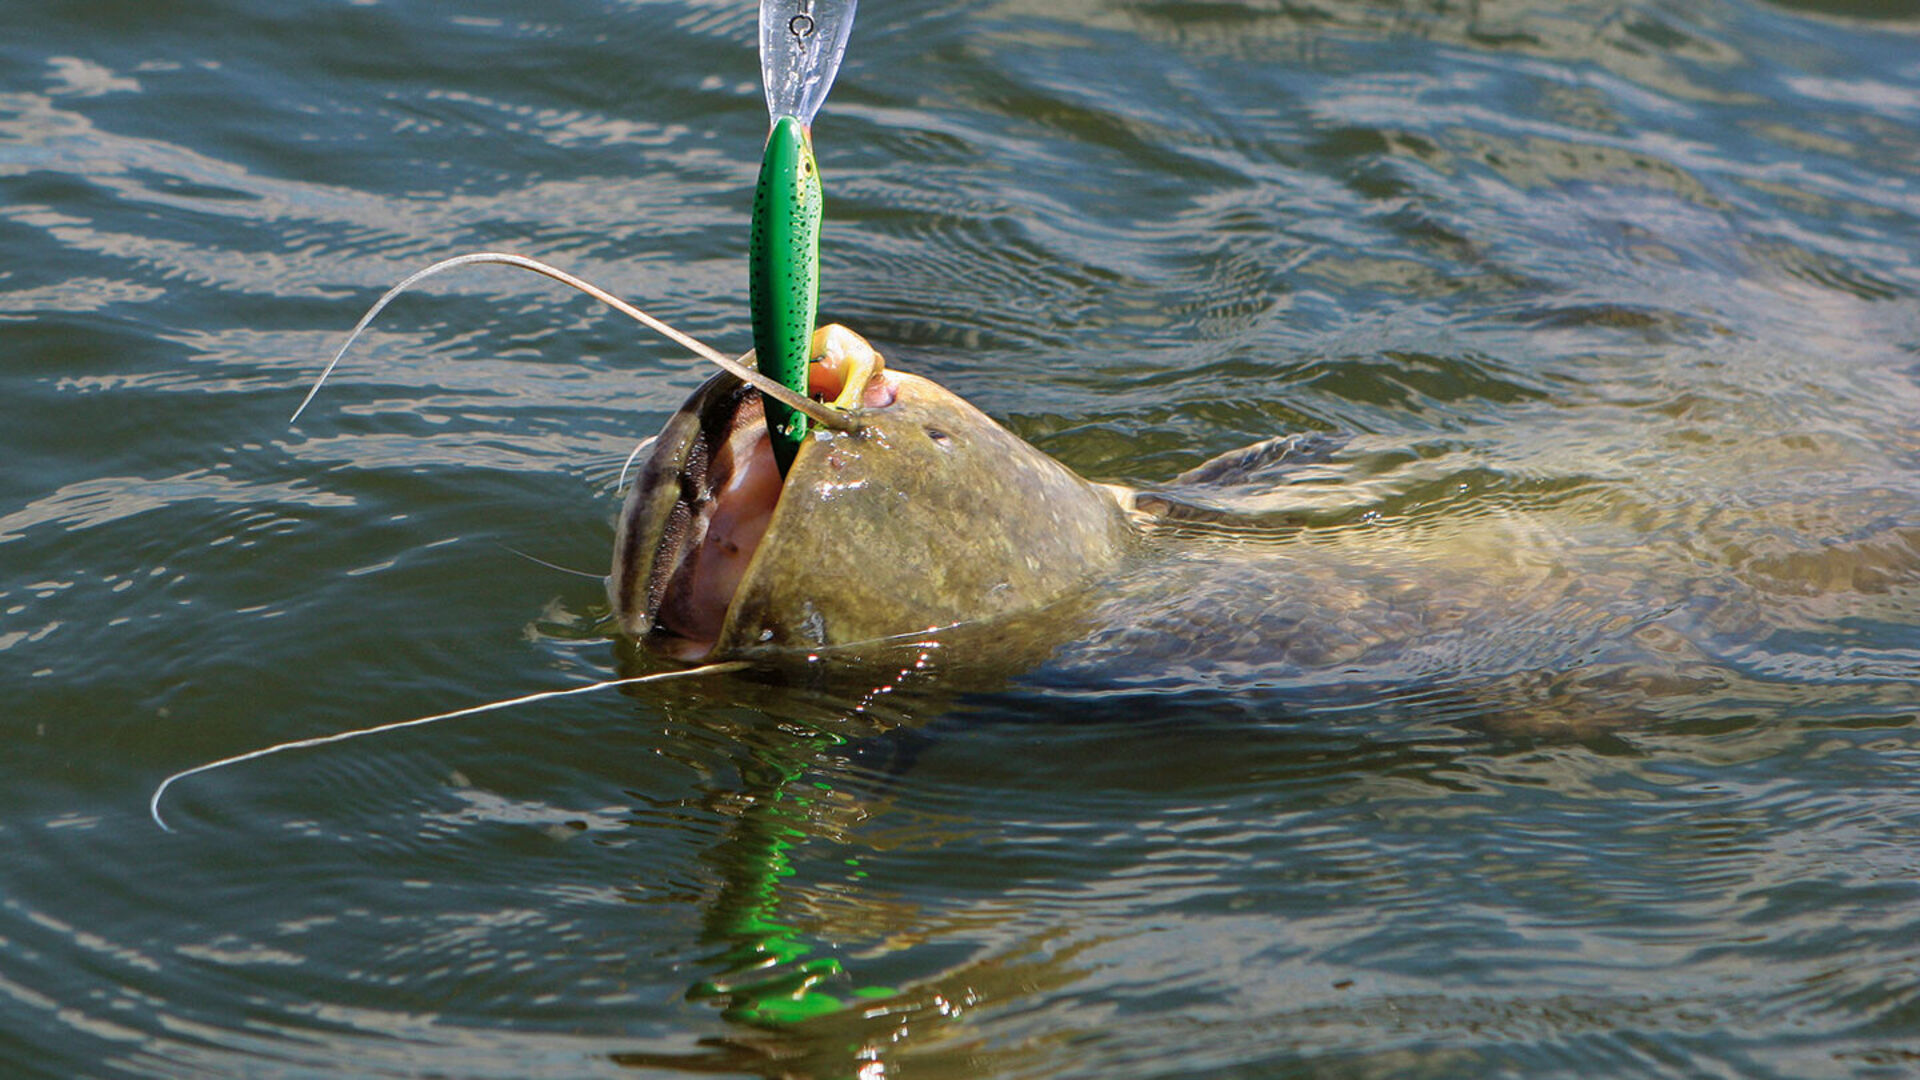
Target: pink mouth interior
x,y
729,512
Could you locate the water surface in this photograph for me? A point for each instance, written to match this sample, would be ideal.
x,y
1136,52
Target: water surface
x,y
1614,305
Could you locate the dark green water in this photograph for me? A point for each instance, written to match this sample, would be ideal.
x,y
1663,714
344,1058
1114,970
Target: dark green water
x,y
1617,297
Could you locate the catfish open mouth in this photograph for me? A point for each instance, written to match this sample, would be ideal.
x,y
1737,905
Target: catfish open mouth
x,y
727,495
919,513
713,475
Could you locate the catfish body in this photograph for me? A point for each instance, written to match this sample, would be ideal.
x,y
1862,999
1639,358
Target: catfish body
x,y
1269,571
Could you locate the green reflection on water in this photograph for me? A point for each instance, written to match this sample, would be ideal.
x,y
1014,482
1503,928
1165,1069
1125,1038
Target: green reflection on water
x,y
769,978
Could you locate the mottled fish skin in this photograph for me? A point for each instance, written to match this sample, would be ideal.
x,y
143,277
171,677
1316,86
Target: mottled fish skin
x,y
783,275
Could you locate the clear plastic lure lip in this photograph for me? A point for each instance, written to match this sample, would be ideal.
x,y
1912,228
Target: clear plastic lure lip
x,y
801,42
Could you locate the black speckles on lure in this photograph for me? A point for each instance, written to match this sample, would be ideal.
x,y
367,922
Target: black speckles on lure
x,y
783,274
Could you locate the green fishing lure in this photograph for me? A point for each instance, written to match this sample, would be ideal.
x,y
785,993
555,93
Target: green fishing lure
x,y
783,275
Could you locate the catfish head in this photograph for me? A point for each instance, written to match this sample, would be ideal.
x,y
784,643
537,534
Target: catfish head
x,y
926,515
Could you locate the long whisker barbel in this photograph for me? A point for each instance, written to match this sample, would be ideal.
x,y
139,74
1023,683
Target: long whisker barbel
x,y
153,804
740,368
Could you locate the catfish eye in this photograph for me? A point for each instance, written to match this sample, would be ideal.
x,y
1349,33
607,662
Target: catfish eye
x,y
940,438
